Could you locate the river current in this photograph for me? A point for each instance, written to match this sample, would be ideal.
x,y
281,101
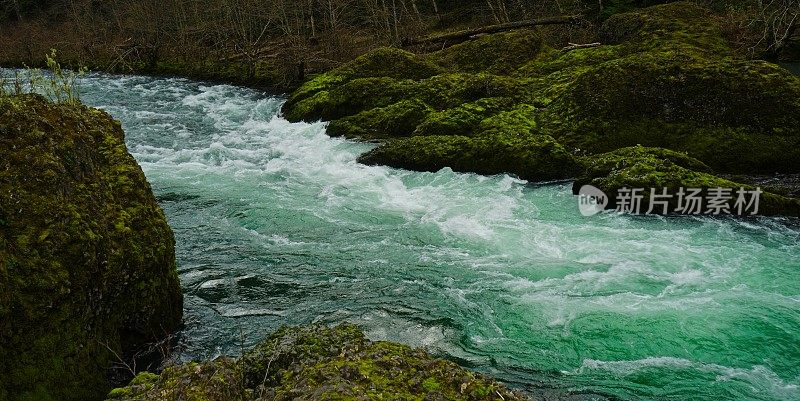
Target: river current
x,y
277,224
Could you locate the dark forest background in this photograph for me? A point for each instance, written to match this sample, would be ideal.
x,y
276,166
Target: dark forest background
x,y
279,42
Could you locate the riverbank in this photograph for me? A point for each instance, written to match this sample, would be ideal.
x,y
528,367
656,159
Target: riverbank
x,y
662,78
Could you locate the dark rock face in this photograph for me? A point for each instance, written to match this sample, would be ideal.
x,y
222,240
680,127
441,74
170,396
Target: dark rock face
x,y
87,262
318,363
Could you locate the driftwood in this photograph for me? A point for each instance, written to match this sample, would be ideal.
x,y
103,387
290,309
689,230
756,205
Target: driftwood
x,y
574,46
461,36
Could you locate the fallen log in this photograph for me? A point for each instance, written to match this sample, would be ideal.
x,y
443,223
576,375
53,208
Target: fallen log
x,y
574,46
461,36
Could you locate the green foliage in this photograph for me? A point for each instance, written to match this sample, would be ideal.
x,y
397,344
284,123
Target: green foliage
x,y
57,84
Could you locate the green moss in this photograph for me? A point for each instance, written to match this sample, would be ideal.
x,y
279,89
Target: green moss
x,y
697,106
530,157
663,26
82,232
664,77
398,119
463,119
381,63
321,363
501,53
658,169
350,98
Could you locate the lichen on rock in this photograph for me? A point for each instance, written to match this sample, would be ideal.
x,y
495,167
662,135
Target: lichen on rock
x,y
87,263
318,363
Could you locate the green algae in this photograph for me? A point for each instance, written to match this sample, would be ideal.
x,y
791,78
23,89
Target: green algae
x,y
320,363
87,265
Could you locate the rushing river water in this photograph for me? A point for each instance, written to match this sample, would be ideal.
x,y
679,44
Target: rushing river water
x,y
277,224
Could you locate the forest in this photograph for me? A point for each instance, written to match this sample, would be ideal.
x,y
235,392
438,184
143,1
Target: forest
x,y
276,43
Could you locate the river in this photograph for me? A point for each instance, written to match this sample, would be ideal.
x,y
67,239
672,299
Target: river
x,y
277,224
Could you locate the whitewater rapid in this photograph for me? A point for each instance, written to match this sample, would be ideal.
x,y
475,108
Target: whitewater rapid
x,y
277,224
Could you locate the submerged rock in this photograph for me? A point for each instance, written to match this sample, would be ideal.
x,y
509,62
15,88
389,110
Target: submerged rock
x,y
317,363
87,262
664,77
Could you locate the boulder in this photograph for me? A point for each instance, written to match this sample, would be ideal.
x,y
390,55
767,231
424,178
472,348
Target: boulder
x,y
87,261
318,363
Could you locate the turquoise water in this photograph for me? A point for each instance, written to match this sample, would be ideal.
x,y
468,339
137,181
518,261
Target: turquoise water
x,y
277,224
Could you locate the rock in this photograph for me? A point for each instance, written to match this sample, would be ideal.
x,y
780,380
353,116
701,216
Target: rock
x,y
662,169
390,63
530,157
500,53
318,363
665,77
87,263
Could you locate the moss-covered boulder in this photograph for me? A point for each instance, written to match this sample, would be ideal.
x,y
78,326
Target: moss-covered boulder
x,y
396,120
389,63
501,53
87,262
680,177
530,157
318,363
733,115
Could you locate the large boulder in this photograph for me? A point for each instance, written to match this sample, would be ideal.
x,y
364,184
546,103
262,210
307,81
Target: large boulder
x,y
318,363
87,262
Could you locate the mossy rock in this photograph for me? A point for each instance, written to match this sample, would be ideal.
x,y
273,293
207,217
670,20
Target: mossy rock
x,y
440,92
395,120
463,119
656,169
664,77
87,261
380,63
501,53
663,26
318,363
530,157
737,116
350,98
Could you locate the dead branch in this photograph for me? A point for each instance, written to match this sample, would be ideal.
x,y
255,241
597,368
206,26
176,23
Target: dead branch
x,y
461,36
574,46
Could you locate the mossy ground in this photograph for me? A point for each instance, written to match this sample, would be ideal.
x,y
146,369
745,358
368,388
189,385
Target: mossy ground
x,y
318,363
87,263
664,77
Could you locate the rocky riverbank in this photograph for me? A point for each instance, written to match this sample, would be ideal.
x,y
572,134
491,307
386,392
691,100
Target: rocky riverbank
x,y
663,77
318,363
